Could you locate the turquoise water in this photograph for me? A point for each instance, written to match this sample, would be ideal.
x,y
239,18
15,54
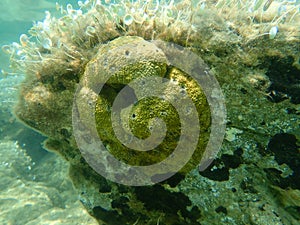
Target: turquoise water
x,y
255,179
17,18
33,184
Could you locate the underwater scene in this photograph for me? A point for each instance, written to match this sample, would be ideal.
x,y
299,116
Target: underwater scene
x,y
150,112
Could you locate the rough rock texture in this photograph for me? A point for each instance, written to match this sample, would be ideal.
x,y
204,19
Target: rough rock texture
x,y
254,179
152,62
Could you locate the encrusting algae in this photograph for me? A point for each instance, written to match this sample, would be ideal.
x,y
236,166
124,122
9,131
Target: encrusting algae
x,y
237,39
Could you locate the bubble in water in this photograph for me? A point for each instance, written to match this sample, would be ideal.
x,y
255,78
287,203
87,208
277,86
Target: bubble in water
x,y
273,31
69,8
7,49
24,39
47,43
128,19
90,31
47,15
99,8
80,3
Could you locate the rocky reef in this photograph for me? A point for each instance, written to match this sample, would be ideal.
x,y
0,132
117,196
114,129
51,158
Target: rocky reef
x,y
253,50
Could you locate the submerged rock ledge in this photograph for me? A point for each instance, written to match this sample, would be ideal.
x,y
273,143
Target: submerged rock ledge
x,y
244,44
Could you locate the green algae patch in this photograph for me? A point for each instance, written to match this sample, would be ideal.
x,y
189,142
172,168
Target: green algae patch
x,y
235,39
142,117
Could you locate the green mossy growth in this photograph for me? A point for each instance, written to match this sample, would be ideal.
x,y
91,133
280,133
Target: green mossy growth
x,y
138,116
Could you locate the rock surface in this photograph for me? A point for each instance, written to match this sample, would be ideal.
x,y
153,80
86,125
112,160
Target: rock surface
x,y
253,180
